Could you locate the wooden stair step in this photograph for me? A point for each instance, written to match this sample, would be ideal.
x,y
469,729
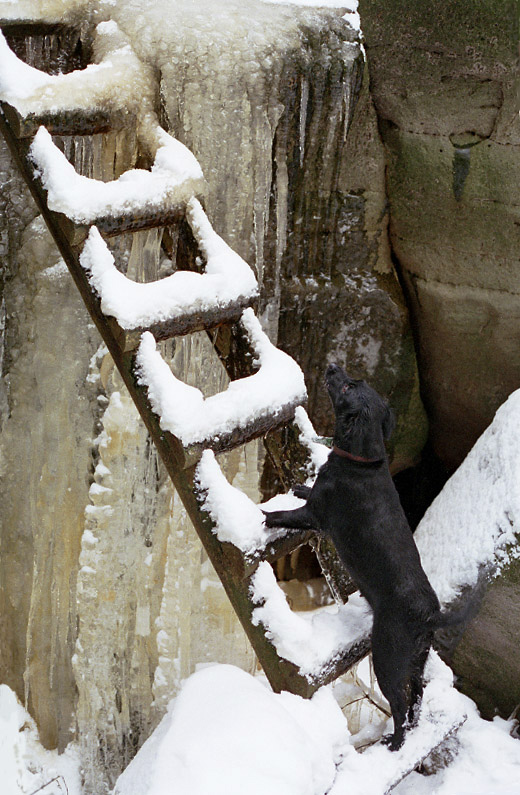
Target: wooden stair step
x,y
79,101
79,121
248,408
138,199
324,644
178,304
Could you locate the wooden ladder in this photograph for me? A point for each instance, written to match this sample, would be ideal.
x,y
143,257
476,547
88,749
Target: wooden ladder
x,y
230,328
241,346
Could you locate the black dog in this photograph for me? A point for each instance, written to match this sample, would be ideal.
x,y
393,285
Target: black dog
x,y
355,503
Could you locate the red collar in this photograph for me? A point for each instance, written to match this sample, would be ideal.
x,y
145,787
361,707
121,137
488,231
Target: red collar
x,y
352,457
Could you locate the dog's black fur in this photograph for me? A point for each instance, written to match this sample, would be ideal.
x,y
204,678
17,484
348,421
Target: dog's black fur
x,y
355,503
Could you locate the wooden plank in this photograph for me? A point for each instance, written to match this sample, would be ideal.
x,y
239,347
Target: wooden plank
x,y
112,225
66,122
239,436
198,320
283,543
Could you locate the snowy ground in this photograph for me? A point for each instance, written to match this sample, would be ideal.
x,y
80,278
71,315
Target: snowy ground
x,y
227,733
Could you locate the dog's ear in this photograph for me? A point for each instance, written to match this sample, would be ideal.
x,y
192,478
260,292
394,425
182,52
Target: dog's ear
x,y
388,423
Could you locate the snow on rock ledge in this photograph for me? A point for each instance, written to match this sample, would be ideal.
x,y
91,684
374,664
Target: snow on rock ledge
x,y
173,180
476,518
227,279
183,410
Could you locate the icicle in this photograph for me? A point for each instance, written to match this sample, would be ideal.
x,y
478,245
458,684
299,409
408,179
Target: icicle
x,y
304,98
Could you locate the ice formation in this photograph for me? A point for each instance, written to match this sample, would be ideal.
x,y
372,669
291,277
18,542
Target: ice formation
x,y
243,55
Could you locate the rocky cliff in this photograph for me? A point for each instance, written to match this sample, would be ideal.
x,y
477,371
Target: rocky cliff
x,y
445,83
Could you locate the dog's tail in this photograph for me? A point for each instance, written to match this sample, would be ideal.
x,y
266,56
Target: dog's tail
x,y
453,617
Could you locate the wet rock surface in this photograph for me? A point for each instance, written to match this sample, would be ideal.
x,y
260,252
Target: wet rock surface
x,y
444,79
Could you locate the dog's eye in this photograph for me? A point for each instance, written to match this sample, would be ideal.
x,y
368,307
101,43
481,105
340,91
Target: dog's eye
x,y
346,388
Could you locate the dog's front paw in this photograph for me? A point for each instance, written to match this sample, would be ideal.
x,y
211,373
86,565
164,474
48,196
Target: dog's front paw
x,y
301,491
267,520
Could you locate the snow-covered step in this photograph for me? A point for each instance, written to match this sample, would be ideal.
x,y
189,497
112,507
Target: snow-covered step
x,y
248,408
183,302
239,521
139,199
323,644
83,101
377,771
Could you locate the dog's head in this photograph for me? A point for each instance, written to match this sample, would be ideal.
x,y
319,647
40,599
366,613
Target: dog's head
x,y
363,419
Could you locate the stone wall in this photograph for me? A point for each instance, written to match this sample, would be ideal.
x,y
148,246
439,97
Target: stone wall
x,y
445,83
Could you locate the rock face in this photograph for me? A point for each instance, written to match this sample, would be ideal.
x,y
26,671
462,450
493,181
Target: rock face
x,y
340,299
445,82
486,658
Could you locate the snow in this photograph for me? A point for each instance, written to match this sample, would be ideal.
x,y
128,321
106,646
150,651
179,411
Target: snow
x,y
308,640
237,519
182,408
226,280
350,7
318,452
117,79
228,734
25,764
83,200
477,514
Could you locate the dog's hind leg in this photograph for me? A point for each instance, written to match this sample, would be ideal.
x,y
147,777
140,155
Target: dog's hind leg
x,y
391,655
417,681
297,519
